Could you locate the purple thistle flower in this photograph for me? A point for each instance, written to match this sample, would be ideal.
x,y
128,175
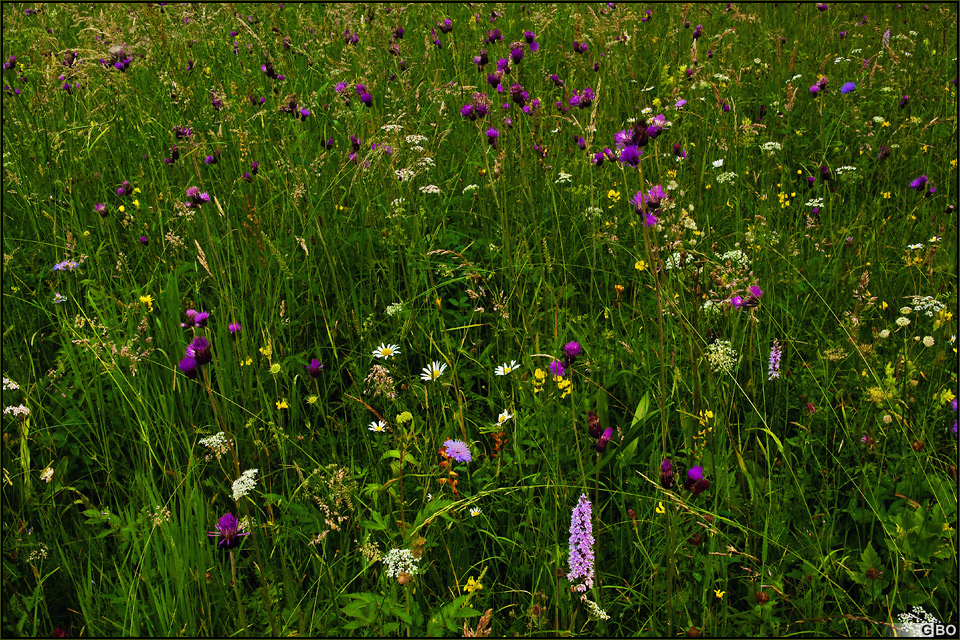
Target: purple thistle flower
x,y
457,450
556,80
183,132
210,160
199,350
556,369
581,142
604,440
228,531
195,198
631,155
773,368
314,368
366,99
125,189
492,135
593,425
581,545
144,240
666,474
919,183
696,483
446,26
188,366
235,328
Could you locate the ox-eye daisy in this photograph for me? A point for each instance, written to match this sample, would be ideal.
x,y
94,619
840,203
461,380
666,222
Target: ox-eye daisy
x,y
505,368
386,351
434,371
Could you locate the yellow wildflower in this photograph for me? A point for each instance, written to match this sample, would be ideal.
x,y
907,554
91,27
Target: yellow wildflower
x,y
267,350
640,265
312,399
661,509
275,368
147,300
472,585
719,593
282,404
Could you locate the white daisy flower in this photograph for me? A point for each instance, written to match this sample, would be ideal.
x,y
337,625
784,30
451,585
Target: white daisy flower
x,y
503,417
379,426
386,351
475,511
505,368
434,371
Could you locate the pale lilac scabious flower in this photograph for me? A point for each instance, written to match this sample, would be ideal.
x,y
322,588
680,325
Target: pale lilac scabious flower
x,y
773,370
457,450
581,545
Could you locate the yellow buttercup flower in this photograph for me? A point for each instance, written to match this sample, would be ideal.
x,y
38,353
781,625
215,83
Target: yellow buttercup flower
x,y
282,404
640,265
147,300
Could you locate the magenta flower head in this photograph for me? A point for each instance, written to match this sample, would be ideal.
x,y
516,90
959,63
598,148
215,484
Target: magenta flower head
x,y
195,198
195,319
593,425
815,89
604,440
919,183
314,368
228,531
556,369
571,351
457,450
235,328
125,189
581,545
696,483
189,367
680,103
199,350
492,135
666,474
631,155
101,209
904,100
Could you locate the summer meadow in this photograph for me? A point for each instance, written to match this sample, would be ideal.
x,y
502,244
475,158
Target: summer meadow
x,y
473,320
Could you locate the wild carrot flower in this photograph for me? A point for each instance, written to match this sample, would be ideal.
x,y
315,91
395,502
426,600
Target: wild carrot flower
x,y
581,545
246,483
228,531
457,450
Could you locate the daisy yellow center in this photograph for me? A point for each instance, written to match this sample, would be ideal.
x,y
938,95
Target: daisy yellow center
x,y
386,351
507,369
435,374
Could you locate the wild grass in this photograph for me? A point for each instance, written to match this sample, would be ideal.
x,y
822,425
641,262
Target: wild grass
x,y
827,496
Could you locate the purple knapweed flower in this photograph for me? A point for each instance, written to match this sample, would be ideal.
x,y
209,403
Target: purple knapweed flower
x,y
696,483
144,240
516,53
848,87
581,142
919,183
631,155
101,209
235,328
183,132
314,368
457,450
228,531
571,351
581,545
188,366
446,26
199,350
492,135
666,474
604,440
556,369
904,100
195,198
